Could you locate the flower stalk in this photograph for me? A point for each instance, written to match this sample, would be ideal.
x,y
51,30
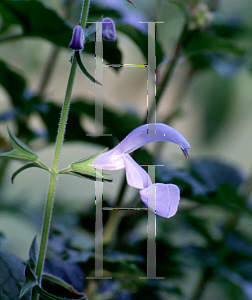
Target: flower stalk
x,y
54,170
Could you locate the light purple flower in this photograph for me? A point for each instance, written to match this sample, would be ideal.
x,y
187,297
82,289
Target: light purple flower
x,y
108,29
77,42
159,197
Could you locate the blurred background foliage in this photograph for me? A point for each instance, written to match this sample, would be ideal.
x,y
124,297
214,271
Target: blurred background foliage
x,y
204,252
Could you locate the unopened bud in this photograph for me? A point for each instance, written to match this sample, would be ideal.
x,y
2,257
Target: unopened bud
x,y
201,16
108,29
77,42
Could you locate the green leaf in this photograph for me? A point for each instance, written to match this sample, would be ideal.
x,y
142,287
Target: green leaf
x,y
49,296
62,283
27,166
199,42
183,8
30,282
33,254
13,83
96,11
12,277
216,100
38,20
20,150
98,176
111,52
117,123
7,20
83,69
141,40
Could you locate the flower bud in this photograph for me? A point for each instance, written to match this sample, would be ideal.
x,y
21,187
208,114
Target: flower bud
x,y
108,29
201,16
77,42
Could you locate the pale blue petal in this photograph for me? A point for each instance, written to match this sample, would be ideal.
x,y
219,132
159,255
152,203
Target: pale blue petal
x,y
136,176
109,162
113,160
167,198
140,136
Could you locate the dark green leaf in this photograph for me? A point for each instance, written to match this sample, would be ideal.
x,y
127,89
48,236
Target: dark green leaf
x,y
13,83
96,11
183,8
62,283
33,254
213,173
216,100
88,176
111,52
74,132
243,286
199,225
11,277
199,42
7,19
118,124
19,145
240,244
38,20
83,69
207,182
27,166
30,282
20,150
71,274
183,179
141,40
49,296
230,27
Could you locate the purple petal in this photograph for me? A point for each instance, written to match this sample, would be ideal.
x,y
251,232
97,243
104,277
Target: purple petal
x,y
113,160
108,29
139,137
109,162
136,176
166,196
77,42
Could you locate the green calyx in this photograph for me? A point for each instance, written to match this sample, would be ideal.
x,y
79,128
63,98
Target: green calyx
x,y
20,150
84,168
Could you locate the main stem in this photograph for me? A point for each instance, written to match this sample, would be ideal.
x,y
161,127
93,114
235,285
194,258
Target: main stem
x,y
54,170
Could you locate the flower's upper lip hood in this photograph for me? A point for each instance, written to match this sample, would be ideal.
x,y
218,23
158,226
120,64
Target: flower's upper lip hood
x,y
140,137
113,159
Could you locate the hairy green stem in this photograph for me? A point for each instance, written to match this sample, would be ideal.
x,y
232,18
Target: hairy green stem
x,y
53,55
54,170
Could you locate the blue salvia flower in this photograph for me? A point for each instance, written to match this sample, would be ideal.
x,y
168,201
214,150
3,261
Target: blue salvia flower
x,y
166,196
